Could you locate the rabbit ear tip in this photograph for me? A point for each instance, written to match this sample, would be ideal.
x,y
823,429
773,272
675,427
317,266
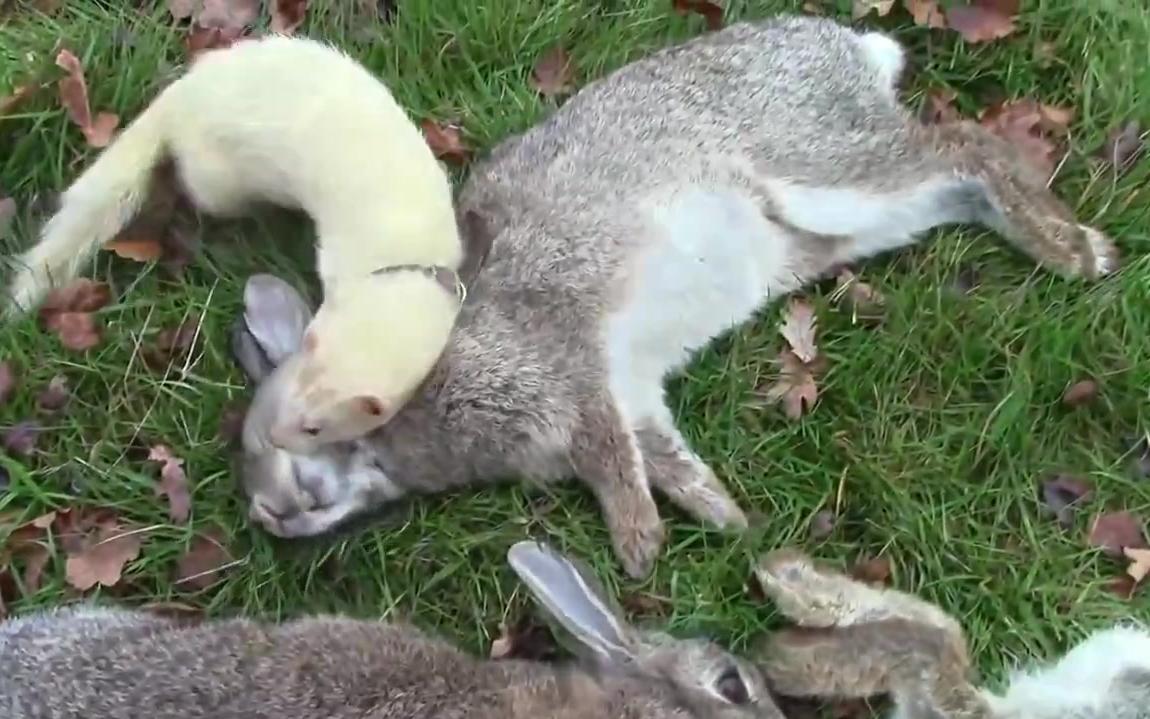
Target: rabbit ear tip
x,y
524,548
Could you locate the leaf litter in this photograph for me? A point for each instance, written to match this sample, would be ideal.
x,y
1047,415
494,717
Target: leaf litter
x,y
67,312
446,141
554,73
73,88
800,364
173,483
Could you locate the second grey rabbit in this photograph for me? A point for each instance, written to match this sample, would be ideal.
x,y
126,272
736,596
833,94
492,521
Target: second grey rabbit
x,y
99,663
658,208
856,641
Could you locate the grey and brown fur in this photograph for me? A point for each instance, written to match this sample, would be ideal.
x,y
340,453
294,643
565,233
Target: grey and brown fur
x,y
856,641
100,663
778,115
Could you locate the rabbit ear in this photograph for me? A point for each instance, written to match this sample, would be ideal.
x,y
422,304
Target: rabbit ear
x,y
475,230
248,354
276,316
574,599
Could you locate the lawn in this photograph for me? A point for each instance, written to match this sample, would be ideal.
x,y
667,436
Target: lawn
x,y
932,436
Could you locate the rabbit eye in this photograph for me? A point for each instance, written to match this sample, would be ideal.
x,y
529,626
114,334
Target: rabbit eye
x,y
310,430
730,686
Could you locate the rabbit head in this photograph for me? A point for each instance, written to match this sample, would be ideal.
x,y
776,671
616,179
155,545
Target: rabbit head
x,y
293,494
702,676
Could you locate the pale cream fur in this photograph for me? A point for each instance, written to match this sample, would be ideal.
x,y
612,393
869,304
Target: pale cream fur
x,y
302,125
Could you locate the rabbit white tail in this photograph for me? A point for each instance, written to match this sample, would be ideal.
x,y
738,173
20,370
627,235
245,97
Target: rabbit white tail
x,y
92,211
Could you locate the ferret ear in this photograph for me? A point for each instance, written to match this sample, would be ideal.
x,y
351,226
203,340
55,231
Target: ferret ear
x,y
372,406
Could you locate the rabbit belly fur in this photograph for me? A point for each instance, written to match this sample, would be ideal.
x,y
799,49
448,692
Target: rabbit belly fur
x,y
1084,683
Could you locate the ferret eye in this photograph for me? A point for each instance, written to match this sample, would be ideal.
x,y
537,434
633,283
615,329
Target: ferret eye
x,y
313,431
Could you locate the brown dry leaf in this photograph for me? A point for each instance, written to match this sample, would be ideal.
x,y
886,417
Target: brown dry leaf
x,y
926,13
102,559
1122,587
798,329
983,20
1080,393
1123,146
8,381
20,439
446,141
525,640
865,303
1115,532
173,483
712,12
1027,124
55,396
862,8
206,557
67,311
19,95
1063,494
97,130
288,15
876,570
202,39
938,107
1139,563
795,388
553,73
140,249
172,344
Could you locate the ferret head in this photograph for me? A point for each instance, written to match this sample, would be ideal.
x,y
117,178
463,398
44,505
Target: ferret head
x,y
368,348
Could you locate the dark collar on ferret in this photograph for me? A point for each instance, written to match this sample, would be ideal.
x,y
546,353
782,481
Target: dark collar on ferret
x,y
447,278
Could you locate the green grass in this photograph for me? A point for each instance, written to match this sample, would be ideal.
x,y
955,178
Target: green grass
x,y
931,436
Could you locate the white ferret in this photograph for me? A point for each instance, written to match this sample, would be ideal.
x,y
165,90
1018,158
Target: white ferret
x,y
298,123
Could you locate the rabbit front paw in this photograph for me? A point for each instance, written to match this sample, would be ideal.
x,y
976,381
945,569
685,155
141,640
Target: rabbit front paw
x,y
638,543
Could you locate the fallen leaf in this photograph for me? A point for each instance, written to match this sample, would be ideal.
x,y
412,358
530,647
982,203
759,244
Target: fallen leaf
x,y
445,141
73,88
644,604
67,311
232,421
712,12
864,302
19,95
288,15
823,524
103,558
926,13
1123,146
1062,494
525,640
172,344
205,559
798,329
53,397
173,483
982,21
1026,124
1114,532
862,8
1080,393
227,15
1122,587
795,388
8,381
20,438
876,570
938,107
140,249
553,73
1139,563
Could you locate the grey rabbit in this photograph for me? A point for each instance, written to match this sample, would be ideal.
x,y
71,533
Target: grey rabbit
x,y
854,641
658,208
89,662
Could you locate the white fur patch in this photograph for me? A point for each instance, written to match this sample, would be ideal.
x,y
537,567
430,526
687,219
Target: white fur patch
x,y
712,262
885,55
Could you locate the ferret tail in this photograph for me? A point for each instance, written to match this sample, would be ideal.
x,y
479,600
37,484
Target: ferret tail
x,y
92,211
